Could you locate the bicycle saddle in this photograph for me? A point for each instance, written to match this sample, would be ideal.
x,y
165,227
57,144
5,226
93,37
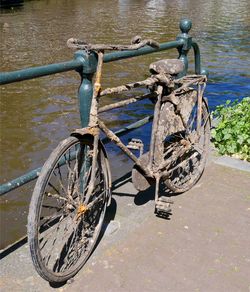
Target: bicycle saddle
x,y
167,66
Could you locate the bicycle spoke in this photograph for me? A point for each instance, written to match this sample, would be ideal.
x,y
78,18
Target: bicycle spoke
x,y
59,179
58,239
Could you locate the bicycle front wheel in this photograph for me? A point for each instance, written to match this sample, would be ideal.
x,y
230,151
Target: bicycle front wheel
x,y
62,228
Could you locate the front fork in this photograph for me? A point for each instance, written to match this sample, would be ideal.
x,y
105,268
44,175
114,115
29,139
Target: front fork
x,y
93,124
94,154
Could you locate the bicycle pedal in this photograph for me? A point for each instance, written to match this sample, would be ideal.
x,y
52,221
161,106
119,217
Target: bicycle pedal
x,y
162,207
136,144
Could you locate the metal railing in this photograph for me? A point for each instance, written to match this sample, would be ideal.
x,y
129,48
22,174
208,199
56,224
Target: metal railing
x,y
85,65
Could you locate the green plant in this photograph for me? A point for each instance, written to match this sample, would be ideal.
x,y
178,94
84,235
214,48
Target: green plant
x,y
231,136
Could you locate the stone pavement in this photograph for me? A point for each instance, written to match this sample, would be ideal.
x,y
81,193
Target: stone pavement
x,y
204,246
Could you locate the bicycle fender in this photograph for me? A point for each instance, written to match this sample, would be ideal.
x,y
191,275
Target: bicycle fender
x,y
108,172
206,103
85,131
89,133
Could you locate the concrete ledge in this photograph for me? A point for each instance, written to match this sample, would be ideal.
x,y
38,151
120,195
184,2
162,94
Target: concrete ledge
x,y
230,161
233,163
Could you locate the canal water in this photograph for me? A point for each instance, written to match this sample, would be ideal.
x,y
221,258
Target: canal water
x,y
37,114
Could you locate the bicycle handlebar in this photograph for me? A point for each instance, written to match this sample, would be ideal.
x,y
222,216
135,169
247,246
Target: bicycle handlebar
x,y
136,43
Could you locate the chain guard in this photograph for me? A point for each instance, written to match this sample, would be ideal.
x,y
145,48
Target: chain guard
x,y
139,180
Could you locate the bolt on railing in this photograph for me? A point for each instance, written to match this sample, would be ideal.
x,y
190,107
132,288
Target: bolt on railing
x,y
85,64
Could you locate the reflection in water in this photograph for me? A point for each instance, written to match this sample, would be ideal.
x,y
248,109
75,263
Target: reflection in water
x,y
36,114
11,4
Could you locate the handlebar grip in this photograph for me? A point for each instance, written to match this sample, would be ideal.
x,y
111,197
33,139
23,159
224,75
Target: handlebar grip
x,y
74,43
153,44
138,39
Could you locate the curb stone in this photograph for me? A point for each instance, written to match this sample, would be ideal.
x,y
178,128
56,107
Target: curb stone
x,y
232,162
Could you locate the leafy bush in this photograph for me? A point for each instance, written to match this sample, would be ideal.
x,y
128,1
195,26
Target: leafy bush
x,y
232,134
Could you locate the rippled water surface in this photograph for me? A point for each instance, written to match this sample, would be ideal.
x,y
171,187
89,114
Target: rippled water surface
x,y
36,114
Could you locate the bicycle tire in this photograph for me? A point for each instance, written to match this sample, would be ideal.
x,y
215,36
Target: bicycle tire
x,y
61,234
181,179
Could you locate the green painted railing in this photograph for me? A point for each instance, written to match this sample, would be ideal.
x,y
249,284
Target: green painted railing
x,y
85,64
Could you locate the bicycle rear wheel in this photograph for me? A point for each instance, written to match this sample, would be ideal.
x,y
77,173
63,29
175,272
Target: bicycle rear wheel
x,y
184,151
62,229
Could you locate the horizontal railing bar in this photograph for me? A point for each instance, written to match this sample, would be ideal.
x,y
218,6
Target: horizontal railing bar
x,y
77,64
19,181
130,128
33,174
110,57
34,72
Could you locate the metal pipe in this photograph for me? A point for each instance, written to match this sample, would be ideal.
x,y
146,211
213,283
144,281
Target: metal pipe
x,y
130,128
34,72
155,126
197,57
20,181
93,114
85,91
110,57
78,63
114,138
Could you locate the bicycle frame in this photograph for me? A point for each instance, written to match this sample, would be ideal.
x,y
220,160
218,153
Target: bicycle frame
x,y
95,122
152,170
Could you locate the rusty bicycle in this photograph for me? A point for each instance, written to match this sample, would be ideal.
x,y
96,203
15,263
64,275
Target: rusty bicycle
x,y
74,187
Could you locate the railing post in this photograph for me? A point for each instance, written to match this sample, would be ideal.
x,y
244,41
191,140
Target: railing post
x,y
185,26
85,90
197,59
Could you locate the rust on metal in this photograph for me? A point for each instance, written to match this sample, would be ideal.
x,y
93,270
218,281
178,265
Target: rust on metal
x,y
93,118
175,101
136,43
88,130
155,128
119,143
81,210
152,80
126,102
140,181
